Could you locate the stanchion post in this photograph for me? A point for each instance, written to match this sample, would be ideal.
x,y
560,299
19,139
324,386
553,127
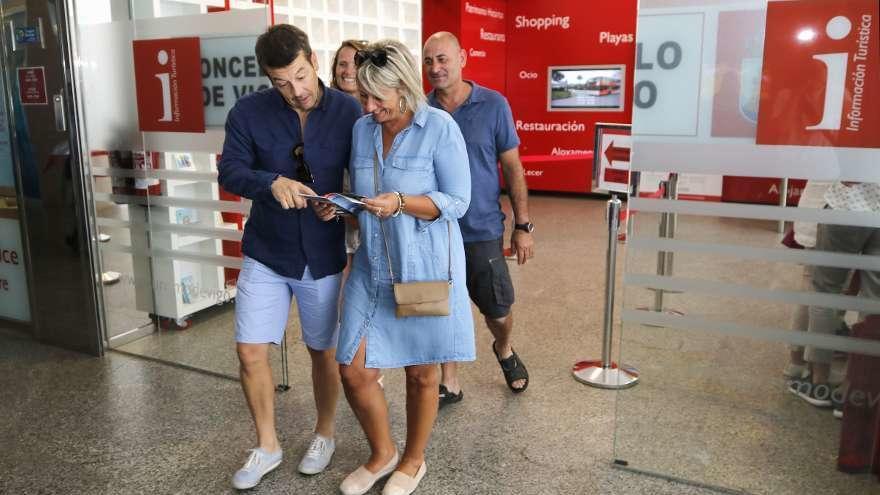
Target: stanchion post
x,y
605,373
783,202
671,222
661,255
635,180
285,371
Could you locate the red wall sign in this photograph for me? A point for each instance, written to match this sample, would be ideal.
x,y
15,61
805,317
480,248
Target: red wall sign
x,y
557,147
32,86
169,85
821,76
760,190
563,33
484,38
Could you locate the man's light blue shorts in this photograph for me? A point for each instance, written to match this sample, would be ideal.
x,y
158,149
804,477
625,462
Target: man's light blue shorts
x,y
262,306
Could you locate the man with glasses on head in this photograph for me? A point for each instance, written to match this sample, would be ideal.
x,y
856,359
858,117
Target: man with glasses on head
x,y
283,142
485,120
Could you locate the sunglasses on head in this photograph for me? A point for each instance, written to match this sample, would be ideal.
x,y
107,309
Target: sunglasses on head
x,y
377,57
303,173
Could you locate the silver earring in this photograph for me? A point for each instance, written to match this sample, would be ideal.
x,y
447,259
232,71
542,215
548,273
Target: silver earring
x,y
401,105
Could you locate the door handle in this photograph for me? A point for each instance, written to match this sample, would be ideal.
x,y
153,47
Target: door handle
x,y
60,117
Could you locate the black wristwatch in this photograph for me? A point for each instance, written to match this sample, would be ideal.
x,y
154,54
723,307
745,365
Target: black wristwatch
x,y
528,227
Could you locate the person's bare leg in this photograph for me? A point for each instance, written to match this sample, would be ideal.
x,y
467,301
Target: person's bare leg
x,y
821,372
501,329
368,403
421,411
259,391
449,377
325,385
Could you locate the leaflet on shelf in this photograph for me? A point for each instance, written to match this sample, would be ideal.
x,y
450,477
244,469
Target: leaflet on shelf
x,y
187,289
182,161
186,216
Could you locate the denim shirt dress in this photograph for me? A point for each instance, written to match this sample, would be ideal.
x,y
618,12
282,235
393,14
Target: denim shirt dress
x,y
426,158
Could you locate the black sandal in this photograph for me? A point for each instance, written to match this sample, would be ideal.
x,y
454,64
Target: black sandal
x,y
514,369
447,397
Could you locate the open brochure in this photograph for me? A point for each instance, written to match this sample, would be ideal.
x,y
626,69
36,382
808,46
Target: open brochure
x,y
347,202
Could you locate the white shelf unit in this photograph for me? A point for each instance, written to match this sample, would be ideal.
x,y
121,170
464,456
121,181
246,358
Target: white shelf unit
x,y
181,287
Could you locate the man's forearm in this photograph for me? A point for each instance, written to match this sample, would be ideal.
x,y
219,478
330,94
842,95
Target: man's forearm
x,y
517,190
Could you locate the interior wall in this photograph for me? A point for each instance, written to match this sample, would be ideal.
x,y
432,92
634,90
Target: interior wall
x,y
513,57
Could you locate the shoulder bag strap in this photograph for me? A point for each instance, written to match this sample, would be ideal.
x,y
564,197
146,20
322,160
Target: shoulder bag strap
x,y
382,225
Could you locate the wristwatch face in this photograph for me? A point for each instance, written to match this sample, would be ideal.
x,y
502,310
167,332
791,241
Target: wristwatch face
x,y
528,227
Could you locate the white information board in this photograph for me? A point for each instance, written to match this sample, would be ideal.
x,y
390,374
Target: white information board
x,y
14,299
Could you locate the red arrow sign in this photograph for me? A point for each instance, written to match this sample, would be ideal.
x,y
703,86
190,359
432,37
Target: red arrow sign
x,y
613,154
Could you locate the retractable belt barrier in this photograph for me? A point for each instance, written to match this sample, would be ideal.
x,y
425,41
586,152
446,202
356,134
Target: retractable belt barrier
x,y
605,373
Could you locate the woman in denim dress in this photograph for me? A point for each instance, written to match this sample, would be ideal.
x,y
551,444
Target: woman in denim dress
x,y
424,188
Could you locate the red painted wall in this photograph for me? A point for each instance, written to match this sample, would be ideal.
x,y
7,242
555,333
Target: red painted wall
x,y
483,36
440,15
563,33
760,190
518,53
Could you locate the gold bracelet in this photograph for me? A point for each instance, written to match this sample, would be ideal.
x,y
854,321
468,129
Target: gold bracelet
x,y
399,204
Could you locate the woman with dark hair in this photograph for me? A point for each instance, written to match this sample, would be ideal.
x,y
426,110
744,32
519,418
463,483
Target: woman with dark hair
x,y
410,160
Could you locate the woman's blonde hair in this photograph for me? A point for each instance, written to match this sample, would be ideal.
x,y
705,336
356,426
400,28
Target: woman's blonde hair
x,y
399,72
356,45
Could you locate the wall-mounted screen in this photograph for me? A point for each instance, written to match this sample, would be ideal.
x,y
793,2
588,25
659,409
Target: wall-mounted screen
x,y
585,88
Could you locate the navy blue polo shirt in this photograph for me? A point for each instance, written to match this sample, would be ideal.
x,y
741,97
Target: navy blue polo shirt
x,y
261,132
486,123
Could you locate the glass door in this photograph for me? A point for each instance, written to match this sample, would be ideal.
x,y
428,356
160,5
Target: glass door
x,y
752,312
52,284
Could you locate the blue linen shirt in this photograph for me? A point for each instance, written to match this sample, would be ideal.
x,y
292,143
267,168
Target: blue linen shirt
x,y
426,158
486,122
261,132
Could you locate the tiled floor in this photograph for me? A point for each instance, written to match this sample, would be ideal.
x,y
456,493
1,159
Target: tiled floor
x,y
710,408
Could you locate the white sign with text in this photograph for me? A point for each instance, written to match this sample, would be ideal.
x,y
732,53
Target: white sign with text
x,y
667,75
14,301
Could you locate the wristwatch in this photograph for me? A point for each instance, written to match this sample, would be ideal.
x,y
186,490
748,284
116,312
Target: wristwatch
x,y
528,227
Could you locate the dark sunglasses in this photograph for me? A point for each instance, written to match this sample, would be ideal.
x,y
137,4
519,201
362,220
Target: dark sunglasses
x,y
303,173
378,57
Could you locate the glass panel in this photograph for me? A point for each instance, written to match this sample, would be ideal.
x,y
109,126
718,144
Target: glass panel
x,y
172,236
117,168
49,206
14,298
174,239
732,104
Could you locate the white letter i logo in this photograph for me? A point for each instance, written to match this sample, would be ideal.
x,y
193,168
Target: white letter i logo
x,y
835,79
165,79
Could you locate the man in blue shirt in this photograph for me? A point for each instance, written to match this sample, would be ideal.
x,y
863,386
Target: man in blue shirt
x,y
485,120
291,139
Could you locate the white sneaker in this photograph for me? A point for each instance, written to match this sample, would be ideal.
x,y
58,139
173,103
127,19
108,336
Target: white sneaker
x,y
258,464
110,277
318,455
